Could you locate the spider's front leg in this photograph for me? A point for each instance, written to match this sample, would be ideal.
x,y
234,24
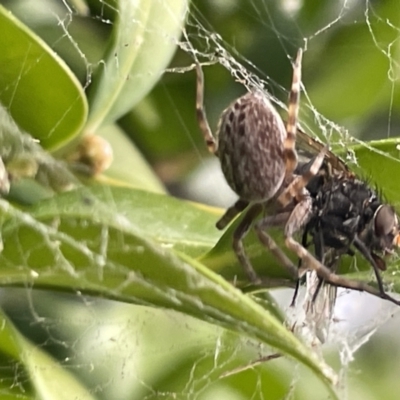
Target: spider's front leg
x,y
297,219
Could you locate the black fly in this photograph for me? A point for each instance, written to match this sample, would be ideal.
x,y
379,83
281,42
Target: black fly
x,y
347,216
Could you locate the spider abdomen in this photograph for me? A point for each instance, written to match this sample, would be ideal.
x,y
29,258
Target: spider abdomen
x,y
251,138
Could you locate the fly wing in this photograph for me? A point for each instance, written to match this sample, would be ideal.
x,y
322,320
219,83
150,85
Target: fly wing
x,y
319,306
308,147
320,298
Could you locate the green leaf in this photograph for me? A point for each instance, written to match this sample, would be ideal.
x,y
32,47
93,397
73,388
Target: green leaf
x,y
89,245
50,379
144,38
183,226
42,375
378,161
39,90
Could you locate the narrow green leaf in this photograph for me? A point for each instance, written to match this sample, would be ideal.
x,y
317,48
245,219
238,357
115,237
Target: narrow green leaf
x,y
39,90
50,379
43,376
180,225
144,38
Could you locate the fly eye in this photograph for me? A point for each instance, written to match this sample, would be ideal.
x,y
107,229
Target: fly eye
x,y
385,220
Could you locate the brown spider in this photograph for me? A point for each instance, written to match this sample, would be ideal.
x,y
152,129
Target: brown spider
x,y
258,159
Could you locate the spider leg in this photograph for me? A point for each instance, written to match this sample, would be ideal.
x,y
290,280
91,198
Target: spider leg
x,y
201,113
300,182
231,213
260,228
360,286
242,230
297,219
290,155
238,236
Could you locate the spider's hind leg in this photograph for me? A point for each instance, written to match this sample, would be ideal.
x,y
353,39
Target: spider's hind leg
x,y
265,223
231,213
240,233
269,222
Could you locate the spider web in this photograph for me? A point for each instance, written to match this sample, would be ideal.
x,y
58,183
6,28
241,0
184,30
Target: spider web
x,y
119,350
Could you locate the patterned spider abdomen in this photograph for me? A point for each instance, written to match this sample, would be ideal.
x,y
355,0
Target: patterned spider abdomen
x,y
251,137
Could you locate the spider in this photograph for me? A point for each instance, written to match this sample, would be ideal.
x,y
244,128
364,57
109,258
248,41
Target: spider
x,y
259,161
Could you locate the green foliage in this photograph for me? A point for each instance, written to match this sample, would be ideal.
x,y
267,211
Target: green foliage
x,y
57,118
119,236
